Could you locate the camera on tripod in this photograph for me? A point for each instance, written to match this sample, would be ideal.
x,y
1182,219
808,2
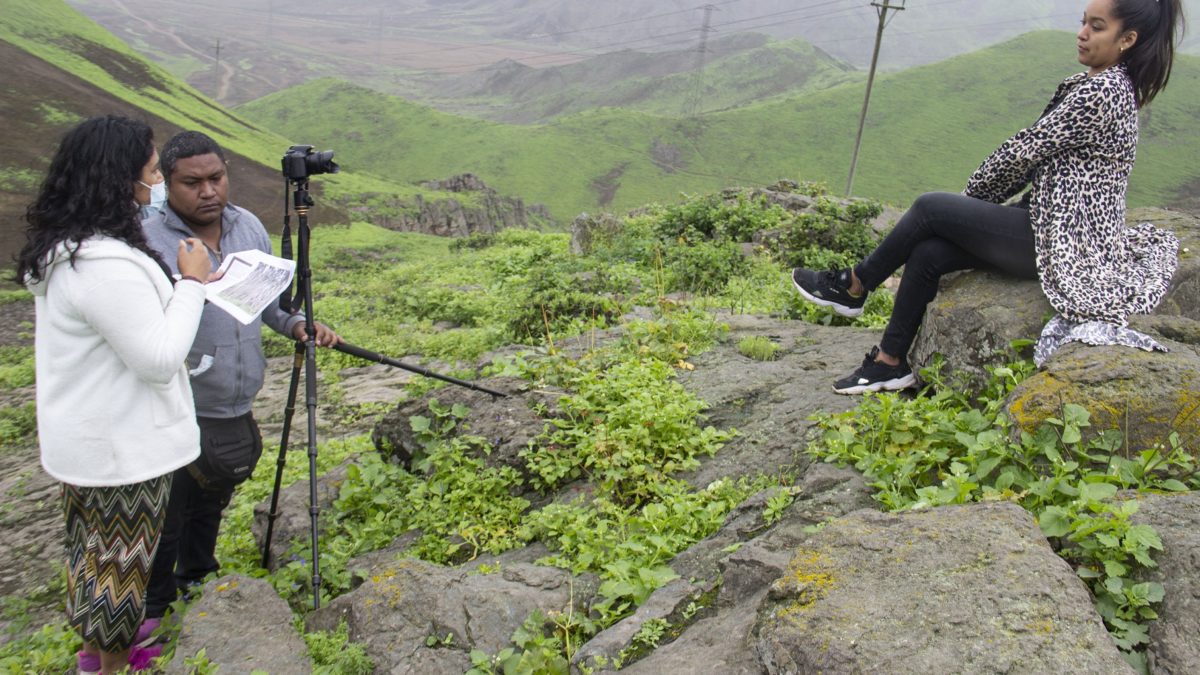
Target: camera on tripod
x,y
300,162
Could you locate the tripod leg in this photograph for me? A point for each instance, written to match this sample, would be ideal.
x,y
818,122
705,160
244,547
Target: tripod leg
x,y
288,411
310,390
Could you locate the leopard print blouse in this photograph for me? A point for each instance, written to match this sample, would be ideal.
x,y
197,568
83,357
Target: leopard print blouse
x,y
1077,158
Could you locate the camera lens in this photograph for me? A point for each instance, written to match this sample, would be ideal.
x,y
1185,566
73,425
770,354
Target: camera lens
x,y
320,162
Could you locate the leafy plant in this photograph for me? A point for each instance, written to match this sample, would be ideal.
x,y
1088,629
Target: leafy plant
x,y
333,653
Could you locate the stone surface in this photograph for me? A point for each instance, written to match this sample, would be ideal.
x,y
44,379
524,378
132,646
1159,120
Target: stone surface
x,y
955,589
770,402
1175,637
746,555
972,322
615,643
243,626
480,210
404,603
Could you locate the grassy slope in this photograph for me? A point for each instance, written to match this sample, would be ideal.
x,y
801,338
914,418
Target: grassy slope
x,y
58,34
55,33
928,128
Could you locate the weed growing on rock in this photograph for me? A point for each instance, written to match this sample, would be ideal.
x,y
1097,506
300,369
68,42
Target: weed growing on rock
x,y
758,347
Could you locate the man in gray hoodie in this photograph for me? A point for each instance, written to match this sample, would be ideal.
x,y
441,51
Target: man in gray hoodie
x,y
226,366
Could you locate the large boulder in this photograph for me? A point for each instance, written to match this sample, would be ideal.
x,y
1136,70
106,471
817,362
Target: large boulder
x,y
293,521
1146,395
1174,643
973,323
955,589
507,424
977,315
243,626
420,618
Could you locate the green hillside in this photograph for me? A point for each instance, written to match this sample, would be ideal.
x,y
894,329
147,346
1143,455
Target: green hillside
x,y
61,36
928,128
59,67
741,69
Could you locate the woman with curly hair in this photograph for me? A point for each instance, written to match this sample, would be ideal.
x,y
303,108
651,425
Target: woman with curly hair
x,y
114,409
1068,232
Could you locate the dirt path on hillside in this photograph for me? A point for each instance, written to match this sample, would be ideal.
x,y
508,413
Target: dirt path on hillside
x,y
227,71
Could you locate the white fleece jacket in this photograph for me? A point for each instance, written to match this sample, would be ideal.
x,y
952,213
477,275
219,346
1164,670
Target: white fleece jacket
x,y
113,402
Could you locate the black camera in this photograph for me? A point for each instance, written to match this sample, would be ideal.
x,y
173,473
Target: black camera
x,y
300,162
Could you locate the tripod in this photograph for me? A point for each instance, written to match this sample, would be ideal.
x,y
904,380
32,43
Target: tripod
x,y
306,355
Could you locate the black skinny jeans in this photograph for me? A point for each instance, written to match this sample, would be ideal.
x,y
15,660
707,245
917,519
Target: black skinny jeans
x,y
944,232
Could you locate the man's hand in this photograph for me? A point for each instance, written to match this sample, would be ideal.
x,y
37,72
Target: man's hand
x,y
325,335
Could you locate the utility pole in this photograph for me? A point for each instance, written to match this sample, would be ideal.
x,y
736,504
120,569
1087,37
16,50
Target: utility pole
x,y
693,103
882,9
217,71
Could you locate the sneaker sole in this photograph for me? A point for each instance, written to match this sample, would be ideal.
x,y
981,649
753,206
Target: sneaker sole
x,y
843,310
906,382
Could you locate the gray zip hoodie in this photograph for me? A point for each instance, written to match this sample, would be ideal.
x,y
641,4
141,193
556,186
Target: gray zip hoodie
x,y
226,361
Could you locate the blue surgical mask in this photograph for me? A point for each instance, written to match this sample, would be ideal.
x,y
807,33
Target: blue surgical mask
x,y
158,197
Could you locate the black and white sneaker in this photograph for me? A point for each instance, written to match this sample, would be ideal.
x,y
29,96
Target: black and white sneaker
x,y
830,288
875,375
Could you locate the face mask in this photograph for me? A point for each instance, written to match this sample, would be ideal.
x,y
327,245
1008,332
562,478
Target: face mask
x,y
158,197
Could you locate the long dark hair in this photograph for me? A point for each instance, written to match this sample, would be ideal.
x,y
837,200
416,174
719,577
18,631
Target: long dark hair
x,y
88,190
1158,23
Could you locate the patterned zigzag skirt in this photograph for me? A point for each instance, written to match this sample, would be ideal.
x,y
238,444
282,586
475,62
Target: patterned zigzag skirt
x,y
112,535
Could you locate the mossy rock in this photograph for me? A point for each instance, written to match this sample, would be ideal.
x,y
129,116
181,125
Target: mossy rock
x,y
1145,395
973,322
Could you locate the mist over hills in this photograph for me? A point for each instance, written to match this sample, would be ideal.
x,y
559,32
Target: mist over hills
x,y
741,69
929,126
400,47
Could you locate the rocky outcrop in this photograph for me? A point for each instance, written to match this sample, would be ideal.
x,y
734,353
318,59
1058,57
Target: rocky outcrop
x,y
244,627
423,619
771,403
1147,396
586,230
738,563
1174,648
954,589
478,210
833,585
